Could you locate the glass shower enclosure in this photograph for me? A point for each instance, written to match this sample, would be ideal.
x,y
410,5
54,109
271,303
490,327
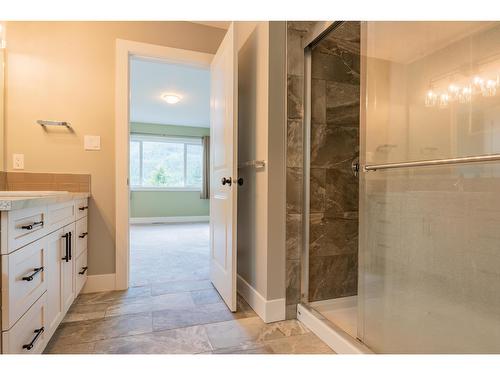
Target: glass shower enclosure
x,y
413,265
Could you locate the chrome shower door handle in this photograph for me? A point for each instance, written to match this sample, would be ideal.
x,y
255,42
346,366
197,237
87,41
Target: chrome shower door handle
x,y
355,166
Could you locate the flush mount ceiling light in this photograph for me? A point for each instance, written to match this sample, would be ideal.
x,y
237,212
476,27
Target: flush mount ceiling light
x,y
171,98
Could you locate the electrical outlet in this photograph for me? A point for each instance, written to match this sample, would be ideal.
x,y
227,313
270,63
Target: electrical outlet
x,y
18,161
92,142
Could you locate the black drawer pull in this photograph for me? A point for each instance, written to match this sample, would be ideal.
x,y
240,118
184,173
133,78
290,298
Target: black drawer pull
x,y
37,332
83,234
83,208
70,244
82,272
66,248
32,225
35,271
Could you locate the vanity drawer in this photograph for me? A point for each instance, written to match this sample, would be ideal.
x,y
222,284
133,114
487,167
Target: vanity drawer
x,y
81,236
22,227
24,280
60,214
28,335
81,272
81,207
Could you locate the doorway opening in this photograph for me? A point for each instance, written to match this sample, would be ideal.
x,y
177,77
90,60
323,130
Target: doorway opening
x,y
182,170
169,133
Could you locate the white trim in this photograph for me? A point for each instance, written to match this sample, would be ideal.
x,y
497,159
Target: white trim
x,y
125,49
169,219
170,189
336,338
99,283
192,140
269,310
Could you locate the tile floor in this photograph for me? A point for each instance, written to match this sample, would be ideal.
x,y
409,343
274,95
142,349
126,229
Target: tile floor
x,y
172,308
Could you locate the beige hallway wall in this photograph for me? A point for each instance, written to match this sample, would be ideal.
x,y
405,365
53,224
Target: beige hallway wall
x,y
65,71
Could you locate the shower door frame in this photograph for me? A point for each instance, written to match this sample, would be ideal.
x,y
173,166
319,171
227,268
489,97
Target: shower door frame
x,y
316,35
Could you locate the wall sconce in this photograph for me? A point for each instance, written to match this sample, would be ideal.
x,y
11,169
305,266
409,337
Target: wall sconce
x,y
491,88
430,99
453,91
465,95
444,99
462,91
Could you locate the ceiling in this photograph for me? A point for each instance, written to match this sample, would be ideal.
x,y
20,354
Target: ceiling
x,y
405,42
149,79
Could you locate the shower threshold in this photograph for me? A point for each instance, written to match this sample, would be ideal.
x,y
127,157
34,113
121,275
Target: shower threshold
x,y
341,311
335,322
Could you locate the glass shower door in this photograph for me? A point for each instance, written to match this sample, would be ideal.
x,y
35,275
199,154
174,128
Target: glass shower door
x,y
430,240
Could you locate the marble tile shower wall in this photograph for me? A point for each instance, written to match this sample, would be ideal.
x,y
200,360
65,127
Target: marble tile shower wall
x,y
334,143
335,91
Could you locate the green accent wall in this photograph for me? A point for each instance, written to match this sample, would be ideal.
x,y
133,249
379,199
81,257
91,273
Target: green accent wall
x,y
168,203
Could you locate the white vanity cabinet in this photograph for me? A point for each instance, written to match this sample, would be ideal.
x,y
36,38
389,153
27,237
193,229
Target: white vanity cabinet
x,y
44,267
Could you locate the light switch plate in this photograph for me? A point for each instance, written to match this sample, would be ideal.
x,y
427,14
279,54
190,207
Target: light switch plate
x,y
92,142
18,161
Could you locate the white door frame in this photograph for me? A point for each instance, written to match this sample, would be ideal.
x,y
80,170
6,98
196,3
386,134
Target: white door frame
x,y
124,50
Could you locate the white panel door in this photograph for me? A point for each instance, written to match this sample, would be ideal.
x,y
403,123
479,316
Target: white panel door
x,y
223,154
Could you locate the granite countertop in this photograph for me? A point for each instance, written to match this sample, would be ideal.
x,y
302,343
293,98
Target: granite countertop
x,y
16,200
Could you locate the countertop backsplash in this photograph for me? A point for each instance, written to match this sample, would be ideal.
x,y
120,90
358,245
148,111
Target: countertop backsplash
x,y
45,181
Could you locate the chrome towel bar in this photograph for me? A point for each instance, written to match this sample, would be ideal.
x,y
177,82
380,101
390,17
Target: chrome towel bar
x,y
427,163
53,123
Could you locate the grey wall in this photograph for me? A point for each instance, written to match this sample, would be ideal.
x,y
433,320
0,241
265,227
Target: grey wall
x,y
252,144
261,136
276,161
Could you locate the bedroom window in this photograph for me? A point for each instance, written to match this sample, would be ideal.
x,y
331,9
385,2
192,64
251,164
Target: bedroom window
x,y
165,163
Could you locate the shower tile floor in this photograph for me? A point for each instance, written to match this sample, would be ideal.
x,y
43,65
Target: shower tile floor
x,y
172,308
343,312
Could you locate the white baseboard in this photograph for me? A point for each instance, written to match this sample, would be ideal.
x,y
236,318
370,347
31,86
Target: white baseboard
x,y
268,310
99,283
336,338
169,219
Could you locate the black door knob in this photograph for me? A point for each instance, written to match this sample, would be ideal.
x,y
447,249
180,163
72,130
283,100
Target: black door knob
x,y
227,181
240,181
